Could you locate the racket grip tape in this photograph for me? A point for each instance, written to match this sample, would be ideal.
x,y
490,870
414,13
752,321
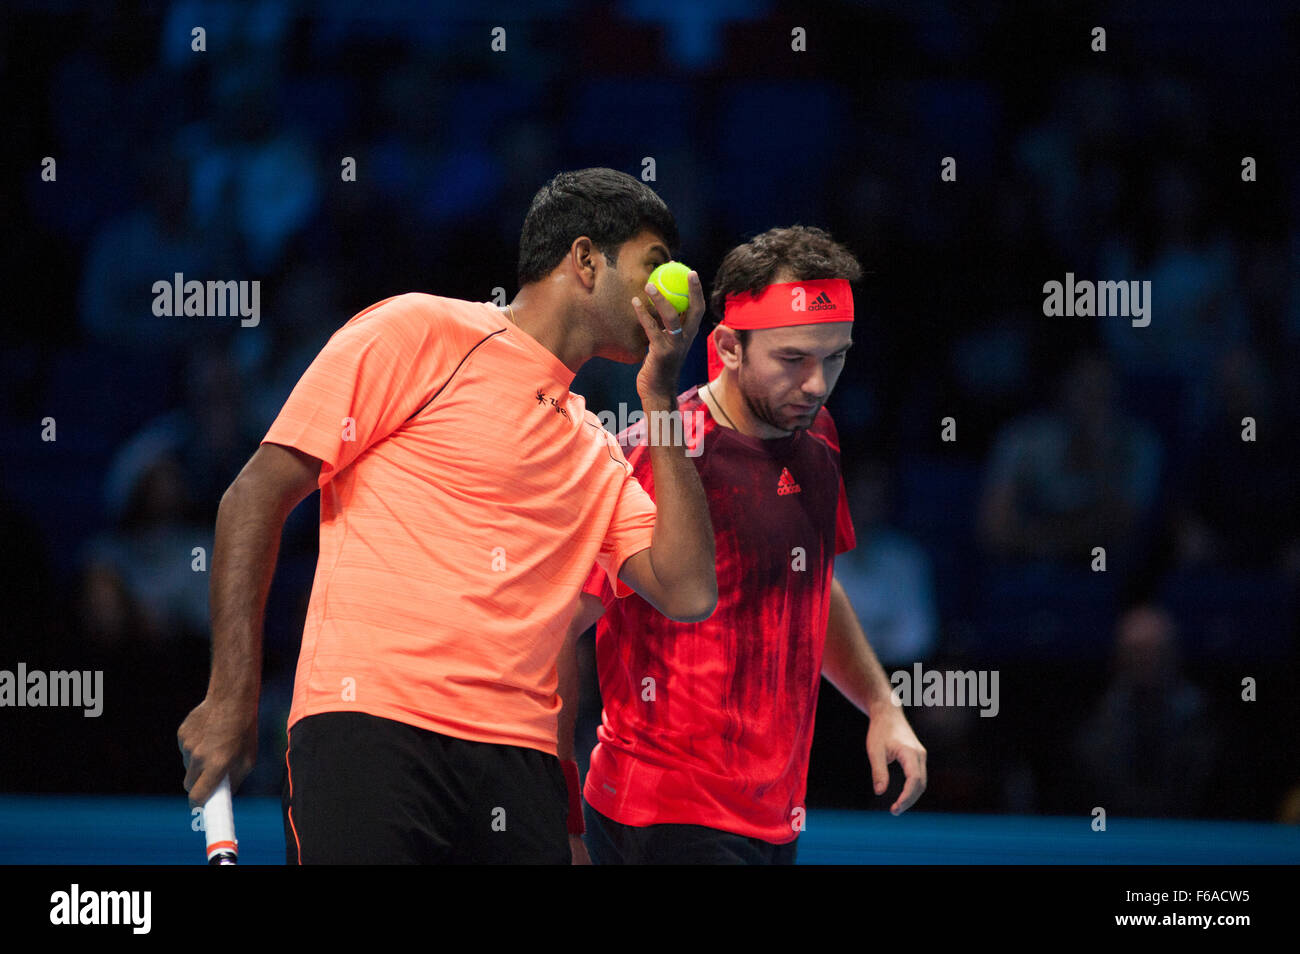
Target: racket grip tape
x,y
219,826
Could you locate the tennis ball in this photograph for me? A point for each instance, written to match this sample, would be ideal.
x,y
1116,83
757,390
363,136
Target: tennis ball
x,y
671,279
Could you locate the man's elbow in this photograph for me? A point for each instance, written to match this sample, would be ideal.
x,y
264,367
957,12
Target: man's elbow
x,y
246,492
693,607
273,482
235,494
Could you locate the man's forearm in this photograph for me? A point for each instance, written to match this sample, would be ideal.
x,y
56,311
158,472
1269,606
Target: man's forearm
x,y
849,661
681,551
243,564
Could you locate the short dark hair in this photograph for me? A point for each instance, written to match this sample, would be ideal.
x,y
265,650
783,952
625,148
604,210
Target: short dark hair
x,y
606,205
808,253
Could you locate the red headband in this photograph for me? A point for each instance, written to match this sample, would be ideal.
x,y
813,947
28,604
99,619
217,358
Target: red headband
x,y
782,305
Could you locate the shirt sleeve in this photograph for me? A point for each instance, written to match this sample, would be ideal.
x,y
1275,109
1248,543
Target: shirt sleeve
x,y
598,585
371,376
632,528
631,531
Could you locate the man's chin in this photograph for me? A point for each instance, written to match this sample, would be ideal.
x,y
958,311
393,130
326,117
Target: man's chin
x,y
797,419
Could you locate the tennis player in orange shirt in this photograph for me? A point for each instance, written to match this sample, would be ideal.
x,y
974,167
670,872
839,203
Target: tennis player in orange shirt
x,y
465,494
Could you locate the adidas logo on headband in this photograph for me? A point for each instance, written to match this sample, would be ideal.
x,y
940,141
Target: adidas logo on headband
x,y
822,303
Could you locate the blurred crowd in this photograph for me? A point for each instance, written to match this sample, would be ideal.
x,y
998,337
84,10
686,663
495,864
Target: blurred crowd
x,y
977,543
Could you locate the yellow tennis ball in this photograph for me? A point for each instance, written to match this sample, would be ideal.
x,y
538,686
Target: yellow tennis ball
x,y
671,279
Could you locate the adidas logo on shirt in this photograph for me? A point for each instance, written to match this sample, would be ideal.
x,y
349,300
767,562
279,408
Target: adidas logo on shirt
x,y
822,303
786,485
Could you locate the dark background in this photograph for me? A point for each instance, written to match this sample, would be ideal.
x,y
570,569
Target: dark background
x,y
1120,689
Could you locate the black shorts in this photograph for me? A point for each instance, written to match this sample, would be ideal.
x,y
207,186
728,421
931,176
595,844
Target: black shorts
x,y
612,843
365,790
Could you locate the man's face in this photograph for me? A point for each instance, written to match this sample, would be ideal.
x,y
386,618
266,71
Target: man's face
x,y
617,285
786,374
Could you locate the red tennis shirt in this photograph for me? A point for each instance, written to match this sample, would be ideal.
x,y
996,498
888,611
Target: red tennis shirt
x,y
711,723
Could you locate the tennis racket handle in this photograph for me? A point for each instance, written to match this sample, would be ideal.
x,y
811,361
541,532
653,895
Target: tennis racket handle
x,y
219,826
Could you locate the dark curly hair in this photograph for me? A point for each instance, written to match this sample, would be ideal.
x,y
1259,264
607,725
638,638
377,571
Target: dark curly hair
x,y
806,252
606,205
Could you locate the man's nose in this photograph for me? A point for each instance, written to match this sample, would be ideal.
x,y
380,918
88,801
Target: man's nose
x,y
814,385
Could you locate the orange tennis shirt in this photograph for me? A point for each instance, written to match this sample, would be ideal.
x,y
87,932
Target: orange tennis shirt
x,y
465,494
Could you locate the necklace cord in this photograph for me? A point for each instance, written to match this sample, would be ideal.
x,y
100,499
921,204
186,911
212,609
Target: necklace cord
x,y
718,405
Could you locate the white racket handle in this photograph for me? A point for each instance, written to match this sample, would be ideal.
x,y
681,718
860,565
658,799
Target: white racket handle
x,y
219,826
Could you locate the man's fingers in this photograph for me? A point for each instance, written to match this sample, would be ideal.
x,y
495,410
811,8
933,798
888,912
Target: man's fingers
x,y
579,850
695,310
913,765
667,313
648,324
879,760
203,778
193,772
912,790
206,782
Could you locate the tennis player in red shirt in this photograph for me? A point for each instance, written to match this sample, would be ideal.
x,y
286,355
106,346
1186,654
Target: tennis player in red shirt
x,y
707,726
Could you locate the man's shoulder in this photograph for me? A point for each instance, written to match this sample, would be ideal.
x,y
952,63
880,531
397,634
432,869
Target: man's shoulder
x,y
421,313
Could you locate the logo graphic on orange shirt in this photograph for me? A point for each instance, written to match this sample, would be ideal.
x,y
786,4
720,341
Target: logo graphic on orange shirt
x,y
559,408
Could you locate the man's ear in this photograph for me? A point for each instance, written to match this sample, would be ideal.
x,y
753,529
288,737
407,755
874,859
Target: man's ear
x,y
583,254
728,345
